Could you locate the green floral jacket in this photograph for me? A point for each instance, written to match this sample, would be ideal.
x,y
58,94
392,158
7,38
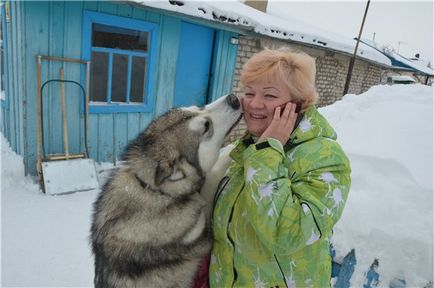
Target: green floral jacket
x,y
276,207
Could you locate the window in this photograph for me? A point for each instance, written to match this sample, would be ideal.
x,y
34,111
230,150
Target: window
x,y
122,52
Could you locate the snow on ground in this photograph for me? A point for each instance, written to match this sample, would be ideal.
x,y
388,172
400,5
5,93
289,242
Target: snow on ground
x,y
388,135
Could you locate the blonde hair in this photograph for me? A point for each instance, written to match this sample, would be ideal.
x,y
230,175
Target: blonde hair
x,y
295,69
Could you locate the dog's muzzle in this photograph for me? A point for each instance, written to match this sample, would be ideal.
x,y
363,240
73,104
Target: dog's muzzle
x,y
233,101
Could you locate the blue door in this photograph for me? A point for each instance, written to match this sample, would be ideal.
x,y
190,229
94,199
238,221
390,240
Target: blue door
x,y
193,68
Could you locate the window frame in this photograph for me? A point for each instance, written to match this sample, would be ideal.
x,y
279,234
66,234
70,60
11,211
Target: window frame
x,y
89,18
5,89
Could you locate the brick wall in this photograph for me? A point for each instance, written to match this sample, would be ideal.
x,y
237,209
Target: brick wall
x,y
331,67
331,74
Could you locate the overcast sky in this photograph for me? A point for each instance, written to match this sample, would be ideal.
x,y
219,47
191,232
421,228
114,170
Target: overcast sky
x,y
403,25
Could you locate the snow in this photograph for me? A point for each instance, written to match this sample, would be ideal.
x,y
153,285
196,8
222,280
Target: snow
x,y
414,64
236,13
417,64
387,133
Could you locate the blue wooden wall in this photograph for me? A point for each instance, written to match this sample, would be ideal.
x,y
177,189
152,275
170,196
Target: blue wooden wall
x,y
54,28
13,111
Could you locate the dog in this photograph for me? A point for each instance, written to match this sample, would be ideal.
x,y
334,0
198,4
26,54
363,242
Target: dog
x,y
149,226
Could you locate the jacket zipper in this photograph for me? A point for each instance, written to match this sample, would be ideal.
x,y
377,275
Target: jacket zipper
x,y
230,239
220,187
281,271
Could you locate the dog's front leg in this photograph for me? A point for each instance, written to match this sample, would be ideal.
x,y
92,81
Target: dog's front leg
x,y
213,178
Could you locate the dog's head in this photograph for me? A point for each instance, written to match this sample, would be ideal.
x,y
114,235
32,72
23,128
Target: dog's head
x,y
177,149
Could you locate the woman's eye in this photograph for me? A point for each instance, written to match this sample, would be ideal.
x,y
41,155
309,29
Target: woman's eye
x,y
271,96
249,95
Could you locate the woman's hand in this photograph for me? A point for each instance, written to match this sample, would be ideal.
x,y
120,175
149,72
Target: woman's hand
x,y
281,126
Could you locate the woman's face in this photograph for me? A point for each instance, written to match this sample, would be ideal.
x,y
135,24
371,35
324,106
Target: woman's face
x,y
259,102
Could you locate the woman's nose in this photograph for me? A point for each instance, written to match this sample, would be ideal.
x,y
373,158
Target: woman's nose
x,y
256,102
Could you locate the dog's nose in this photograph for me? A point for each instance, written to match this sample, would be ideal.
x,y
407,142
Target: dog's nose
x,y
233,101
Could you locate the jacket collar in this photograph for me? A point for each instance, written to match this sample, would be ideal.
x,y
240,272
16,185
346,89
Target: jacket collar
x,y
241,145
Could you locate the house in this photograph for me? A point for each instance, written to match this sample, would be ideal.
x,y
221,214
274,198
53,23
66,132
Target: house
x,y
407,68
133,60
144,61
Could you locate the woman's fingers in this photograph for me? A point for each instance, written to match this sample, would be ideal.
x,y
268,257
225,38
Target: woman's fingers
x,y
282,123
291,116
287,110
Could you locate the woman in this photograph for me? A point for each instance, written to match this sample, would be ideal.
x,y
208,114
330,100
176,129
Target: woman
x,y
286,186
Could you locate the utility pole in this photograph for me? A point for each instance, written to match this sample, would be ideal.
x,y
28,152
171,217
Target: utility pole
x,y
350,67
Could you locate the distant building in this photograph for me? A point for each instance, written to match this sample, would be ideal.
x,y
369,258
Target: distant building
x,y
415,68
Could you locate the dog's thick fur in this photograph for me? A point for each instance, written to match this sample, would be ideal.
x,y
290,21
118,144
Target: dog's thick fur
x,y
149,225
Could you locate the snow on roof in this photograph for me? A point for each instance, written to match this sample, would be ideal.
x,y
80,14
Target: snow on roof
x,y
238,14
412,64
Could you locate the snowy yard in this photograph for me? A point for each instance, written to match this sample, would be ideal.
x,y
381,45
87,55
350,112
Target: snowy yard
x,y
387,133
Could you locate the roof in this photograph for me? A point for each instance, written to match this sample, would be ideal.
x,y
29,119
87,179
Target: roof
x,y
236,13
399,61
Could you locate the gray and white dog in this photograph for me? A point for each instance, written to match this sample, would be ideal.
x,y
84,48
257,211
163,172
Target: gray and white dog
x,y
149,226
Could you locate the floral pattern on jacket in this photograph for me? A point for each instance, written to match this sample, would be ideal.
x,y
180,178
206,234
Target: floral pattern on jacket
x,y
274,214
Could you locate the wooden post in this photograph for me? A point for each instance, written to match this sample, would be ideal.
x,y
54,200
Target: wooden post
x,y
64,115
39,117
350,67
86,105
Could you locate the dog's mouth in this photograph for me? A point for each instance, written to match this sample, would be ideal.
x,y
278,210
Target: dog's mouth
x,y
235,124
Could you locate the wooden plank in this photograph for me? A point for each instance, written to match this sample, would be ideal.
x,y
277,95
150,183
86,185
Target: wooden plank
x,y
5,123
133,127
18,77
231,62
153,17
36,31
224,65
93,140
63,59
120,134
107,7
91,5
217,74
125,10
139,13
168,47
5,103
74,95
145,120
106,138
56,31
11,51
